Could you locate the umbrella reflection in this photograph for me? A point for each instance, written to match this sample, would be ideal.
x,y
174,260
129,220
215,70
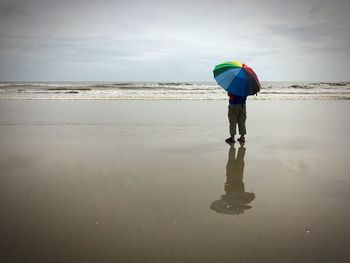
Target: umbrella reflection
x,y
235,200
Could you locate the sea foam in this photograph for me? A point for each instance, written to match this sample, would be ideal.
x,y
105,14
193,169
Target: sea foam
x,y
167,90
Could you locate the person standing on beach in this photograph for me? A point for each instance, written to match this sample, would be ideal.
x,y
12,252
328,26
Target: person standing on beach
x,y
237,114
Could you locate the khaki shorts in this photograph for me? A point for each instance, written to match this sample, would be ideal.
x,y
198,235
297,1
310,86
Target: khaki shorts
x,y
237,114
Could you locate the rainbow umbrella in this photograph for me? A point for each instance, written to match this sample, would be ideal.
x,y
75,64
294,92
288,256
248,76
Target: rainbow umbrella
x,y
237,78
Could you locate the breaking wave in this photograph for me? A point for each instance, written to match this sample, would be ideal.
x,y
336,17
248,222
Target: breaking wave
x,y
167,90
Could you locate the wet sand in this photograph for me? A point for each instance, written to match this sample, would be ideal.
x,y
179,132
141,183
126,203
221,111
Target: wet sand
x,y
153,181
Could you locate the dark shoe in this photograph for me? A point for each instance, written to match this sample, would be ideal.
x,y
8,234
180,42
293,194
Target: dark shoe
x,y
241,139
230,140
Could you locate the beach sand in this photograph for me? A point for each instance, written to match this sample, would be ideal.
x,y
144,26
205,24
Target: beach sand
x,y
150,181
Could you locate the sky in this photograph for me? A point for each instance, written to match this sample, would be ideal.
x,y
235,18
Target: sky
x,y
173,40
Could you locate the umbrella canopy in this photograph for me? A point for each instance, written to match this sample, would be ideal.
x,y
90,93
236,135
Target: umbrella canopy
x,y
237,78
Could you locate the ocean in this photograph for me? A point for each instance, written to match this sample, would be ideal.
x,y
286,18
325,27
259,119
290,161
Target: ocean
x,y
275,90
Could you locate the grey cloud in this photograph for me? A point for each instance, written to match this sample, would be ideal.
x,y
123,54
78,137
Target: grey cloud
x,y
134,32
83,49
309,33
11,8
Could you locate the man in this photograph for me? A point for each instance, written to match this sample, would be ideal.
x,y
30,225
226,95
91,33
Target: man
x,y
237,114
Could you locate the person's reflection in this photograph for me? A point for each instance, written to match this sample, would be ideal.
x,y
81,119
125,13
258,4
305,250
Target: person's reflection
x,y
235,200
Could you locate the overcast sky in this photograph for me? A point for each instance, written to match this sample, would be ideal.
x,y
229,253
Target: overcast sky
x,y
175,40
